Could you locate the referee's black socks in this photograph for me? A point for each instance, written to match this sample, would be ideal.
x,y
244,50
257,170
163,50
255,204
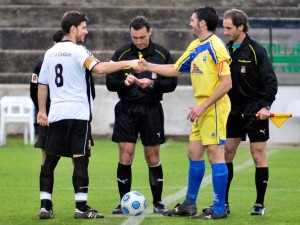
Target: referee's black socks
x,y
261,182
124,177
156,181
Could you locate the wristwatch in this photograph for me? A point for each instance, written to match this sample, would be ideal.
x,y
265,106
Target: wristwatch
x,y
152,84
267,107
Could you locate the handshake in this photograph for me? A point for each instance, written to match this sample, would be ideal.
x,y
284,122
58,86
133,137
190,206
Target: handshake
x,y
139,65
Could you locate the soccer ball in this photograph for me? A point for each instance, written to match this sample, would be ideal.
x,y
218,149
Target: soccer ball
x,y
133,203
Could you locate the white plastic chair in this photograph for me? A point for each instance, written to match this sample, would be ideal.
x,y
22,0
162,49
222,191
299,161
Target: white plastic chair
x,y
294,107
17,109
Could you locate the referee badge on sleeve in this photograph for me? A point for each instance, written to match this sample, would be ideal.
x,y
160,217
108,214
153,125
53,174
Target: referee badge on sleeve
x,y
34,78
243,69
154,76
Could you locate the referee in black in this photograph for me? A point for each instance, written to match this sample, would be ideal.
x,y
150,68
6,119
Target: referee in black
x,y
254,87
139,111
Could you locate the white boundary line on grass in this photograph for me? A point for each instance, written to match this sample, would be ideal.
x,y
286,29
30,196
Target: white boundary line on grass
x,y
136,220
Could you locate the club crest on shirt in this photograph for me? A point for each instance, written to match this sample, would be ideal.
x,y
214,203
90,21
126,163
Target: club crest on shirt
x,y
204,58
34,78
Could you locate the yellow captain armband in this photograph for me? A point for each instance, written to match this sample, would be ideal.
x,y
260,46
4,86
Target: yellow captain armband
x,y
223,68
90,62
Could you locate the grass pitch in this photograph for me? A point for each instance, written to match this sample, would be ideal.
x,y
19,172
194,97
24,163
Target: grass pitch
x,y
19,186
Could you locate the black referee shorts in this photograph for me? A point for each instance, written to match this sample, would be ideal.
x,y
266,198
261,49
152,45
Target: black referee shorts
x,y
134,119
69,137
242,122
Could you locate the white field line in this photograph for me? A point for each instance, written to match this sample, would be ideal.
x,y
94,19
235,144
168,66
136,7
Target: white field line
x,y
136,220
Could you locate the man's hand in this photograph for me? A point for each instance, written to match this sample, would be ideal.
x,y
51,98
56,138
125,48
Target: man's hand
x,y
263,114
42,119
134,63
130,80
144,83
142,66
196,112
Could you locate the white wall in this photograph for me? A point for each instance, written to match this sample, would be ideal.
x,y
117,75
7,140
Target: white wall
x,y
290,130
176,107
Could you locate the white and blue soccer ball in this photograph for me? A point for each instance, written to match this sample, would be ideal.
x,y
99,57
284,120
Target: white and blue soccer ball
x,y
133,203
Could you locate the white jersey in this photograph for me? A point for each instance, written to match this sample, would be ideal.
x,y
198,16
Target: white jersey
x,y
63,70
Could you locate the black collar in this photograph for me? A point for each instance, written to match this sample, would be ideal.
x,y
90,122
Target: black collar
x,y
150,50
244,43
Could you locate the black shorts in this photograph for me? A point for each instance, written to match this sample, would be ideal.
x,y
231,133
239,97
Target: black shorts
x,y
242,122
69,137
144,119
42,134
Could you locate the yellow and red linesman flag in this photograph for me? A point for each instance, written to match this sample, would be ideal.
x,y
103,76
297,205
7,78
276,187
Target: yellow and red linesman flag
x,y
278,118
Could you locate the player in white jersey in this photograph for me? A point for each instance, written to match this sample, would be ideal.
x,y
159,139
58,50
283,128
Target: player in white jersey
x,y
67,81
66,68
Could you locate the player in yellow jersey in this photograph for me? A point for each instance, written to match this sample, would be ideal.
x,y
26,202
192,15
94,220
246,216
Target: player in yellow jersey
x,y
207,60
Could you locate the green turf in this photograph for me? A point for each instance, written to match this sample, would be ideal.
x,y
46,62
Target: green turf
x,y
19,186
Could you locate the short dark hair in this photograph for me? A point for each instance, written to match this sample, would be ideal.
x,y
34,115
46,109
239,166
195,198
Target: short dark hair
x,y
238,18
209,15
72,18
139,22
58,36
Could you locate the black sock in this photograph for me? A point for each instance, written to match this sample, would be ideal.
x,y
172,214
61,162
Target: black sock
x,y
46,174
124,177
46,203
81,181
47,179
261,182
230,176
156,182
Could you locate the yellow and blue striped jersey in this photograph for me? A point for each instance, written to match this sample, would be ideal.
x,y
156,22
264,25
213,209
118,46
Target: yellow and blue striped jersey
x,y
205,60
